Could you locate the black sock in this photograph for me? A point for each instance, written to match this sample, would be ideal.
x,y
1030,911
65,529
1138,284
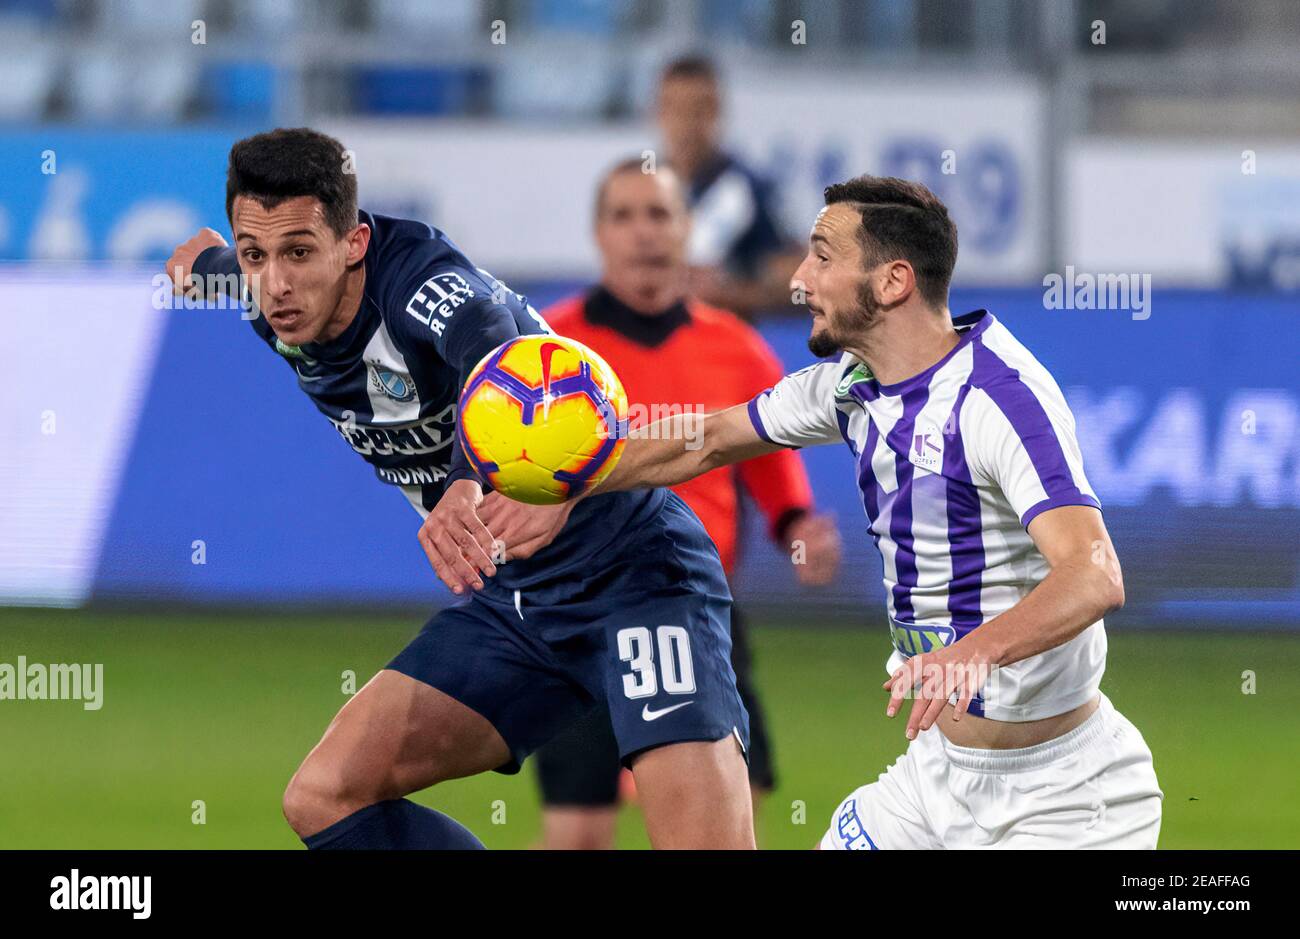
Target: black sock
x,y
396,824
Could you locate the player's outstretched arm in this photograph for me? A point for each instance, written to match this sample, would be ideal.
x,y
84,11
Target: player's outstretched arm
x,y
682,447
180,266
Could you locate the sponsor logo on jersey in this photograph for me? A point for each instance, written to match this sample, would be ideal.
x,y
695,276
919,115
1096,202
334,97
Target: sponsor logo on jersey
x,y
395,385
910,639
927,447
425,436
412,475
439,297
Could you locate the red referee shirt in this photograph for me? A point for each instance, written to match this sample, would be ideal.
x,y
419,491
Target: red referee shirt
x,y
694,356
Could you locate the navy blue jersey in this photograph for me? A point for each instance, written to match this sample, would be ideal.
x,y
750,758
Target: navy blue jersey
x,y
390,382
733,218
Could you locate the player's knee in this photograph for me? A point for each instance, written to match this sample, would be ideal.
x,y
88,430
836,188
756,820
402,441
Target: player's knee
x,y
301,805
317,797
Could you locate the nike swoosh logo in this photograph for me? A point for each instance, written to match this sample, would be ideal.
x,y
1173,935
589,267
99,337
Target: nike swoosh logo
x,y
649,715
547,352
303,377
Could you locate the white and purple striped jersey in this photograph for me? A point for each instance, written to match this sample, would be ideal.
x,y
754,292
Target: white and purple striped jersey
x,y
953,464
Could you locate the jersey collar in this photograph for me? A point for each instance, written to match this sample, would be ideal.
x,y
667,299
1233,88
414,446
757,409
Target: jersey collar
x,y
969,325
602,308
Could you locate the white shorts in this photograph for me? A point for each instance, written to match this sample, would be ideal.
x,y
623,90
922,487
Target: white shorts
x,y
1092,787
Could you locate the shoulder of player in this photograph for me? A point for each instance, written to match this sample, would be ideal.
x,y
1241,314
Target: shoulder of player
x,y
409,254
734,170
1002,407
1007,371
424,293
827,379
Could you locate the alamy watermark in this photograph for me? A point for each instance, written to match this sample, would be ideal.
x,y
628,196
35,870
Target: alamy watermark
x,y
662,421
209,291
1085,291
59,681
78,891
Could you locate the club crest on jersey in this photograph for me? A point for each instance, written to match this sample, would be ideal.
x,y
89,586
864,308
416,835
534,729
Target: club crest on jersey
x,y
927,447
395,385
859,373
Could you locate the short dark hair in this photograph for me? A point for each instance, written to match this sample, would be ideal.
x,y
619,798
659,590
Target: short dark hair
x,y
903,220
694,65
288,162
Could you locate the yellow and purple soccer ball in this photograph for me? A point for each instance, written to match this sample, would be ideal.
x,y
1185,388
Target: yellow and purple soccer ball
x,y
542,418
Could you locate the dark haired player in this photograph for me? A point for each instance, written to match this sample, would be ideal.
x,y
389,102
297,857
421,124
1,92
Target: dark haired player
x,y
998,568
740,258
618,600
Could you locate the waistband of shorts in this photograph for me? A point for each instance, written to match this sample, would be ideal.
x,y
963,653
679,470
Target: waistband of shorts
x,y
980,760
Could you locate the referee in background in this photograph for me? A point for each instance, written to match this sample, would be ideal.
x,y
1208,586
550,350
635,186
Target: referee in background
x,y
672,350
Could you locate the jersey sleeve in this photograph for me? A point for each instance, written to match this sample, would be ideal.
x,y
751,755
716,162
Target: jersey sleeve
x,y
799,410
217,269
460,315
1019,436
218,260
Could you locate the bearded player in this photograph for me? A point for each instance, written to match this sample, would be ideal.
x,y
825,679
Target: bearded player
x,y
619,600
997,565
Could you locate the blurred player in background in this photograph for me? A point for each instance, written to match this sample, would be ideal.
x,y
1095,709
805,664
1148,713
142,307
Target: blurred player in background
x,y
998,567
740,258
673,353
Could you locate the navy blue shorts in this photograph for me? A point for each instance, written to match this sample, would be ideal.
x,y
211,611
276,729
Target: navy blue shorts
x,y
644,631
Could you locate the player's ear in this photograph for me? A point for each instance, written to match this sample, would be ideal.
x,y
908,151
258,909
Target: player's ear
x,y
897,282
358,241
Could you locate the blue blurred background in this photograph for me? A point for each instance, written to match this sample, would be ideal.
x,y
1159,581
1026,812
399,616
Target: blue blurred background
x,y
161,456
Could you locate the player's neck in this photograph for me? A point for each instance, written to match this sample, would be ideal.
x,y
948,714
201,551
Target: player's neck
x,y
691,165
647,300
349,305
897,348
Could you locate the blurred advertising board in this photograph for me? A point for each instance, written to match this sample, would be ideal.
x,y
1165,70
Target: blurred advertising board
x,y
149,454
1192,213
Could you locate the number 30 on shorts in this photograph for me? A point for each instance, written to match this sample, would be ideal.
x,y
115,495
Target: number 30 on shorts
x,y
675,673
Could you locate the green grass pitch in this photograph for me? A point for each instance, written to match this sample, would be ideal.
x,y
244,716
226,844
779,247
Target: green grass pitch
x,y
221,708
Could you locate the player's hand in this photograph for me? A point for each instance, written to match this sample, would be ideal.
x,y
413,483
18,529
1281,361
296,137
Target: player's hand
x,y
458,544
181,264
933,677
820,540
522,530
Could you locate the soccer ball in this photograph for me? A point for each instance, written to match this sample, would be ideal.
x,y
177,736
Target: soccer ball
x,y
542,418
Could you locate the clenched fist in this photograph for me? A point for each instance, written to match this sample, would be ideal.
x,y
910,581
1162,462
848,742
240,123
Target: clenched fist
x,y
181,264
